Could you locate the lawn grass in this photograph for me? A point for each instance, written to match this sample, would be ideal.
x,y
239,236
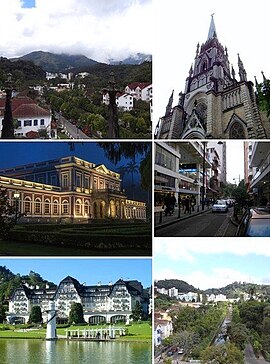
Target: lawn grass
x,y
136,332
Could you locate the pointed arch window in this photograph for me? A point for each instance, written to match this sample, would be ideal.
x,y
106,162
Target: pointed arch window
x,y
204,66
237,131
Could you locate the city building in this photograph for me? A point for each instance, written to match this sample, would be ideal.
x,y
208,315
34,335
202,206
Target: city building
x,y
101,303
30,120
123,101
181,169
140,91
214,103
257,170
67,190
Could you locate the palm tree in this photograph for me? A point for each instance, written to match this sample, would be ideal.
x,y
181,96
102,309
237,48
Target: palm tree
x,y
132,168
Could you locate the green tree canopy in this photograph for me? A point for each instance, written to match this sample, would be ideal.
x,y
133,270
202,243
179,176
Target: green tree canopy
x,y
76,314
35,315
223,354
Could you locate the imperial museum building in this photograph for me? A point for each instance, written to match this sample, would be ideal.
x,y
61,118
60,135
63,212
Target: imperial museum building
x,y
101,303
68,190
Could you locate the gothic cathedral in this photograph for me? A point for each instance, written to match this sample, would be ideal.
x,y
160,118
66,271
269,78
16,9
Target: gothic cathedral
x,y
215,104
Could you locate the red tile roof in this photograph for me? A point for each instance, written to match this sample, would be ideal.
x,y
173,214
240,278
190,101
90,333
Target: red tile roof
x,y
32,134
141,85
29,110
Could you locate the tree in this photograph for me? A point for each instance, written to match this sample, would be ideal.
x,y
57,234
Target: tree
x,y
132,168
35,315
8,214
137,312
223,354
238,334
76,314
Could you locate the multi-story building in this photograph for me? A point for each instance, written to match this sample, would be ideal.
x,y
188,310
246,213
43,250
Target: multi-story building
x,y
30,120
123,101
101,303
257,171
181,169
214,103
68,190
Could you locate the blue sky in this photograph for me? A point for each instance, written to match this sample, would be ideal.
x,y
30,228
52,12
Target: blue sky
x,y
90,271
208,263
29,3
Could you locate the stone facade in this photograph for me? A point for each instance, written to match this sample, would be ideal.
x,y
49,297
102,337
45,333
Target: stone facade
x,y
67,190
214,104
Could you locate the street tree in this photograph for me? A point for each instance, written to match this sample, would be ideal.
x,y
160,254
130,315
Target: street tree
x,y
8,214
223,354
76,314
35,315
137,312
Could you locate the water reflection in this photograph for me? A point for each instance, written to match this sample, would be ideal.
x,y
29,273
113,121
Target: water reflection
x,y
65,352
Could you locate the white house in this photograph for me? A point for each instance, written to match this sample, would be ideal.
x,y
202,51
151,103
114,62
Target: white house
x,y
140,90
123,100
162,330
30,118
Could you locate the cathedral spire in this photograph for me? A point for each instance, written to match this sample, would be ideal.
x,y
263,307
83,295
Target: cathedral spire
x,y
169,106
212,30
242,71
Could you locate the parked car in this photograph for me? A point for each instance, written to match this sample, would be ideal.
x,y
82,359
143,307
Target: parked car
x,y
255,222
220,206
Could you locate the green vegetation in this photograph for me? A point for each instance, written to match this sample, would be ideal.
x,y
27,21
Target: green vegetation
x,y
195,328
8,214
135,332
263,93
35,315
76,314
223,354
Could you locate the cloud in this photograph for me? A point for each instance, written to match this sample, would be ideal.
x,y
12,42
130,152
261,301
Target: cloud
x,y
99,29
189,249
216,278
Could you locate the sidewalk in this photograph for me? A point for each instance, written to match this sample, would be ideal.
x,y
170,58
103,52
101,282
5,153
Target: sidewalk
x,y
161,220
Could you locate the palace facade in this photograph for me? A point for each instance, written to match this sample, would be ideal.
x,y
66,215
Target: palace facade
x,y
101,303
68,190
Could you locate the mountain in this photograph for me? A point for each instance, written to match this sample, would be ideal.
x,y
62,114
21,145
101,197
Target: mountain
x,y
138,58
51,62
235,289
182,286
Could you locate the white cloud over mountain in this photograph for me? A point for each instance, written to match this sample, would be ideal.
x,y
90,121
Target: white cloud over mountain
x,y
98,29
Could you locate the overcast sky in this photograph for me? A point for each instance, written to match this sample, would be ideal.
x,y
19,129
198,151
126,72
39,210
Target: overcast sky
x,y
241,25
90,271
212,263
100,29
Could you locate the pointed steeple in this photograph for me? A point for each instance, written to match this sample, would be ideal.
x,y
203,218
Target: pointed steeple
x,y
242,71
212,30
169,106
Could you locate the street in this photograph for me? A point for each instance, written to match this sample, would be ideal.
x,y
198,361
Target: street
x,y
250,357
72,131
205,224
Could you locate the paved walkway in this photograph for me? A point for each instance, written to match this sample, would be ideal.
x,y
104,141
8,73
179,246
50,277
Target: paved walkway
x,y
161,220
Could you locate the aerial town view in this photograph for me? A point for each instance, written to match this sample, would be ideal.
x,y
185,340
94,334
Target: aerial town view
x,y
211,303
55,315
66,87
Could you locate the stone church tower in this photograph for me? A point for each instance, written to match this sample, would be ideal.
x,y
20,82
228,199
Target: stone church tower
x,y
214,104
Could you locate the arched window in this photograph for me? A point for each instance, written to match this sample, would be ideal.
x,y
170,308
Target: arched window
x,y
37,206
86,208
65,207
47,206
237,131
55,207
204,66
78,207
27,205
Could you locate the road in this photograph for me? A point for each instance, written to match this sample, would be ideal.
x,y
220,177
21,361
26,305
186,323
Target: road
x,y
206,224
250,357
71,130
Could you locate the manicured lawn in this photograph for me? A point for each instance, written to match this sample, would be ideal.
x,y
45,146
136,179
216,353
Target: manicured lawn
x,y
136,332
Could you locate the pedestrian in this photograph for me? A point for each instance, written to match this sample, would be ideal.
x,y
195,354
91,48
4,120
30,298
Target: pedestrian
x,y
167,202
187,205
193,203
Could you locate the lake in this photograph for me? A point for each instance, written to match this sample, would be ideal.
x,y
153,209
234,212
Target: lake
x,y
29,351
